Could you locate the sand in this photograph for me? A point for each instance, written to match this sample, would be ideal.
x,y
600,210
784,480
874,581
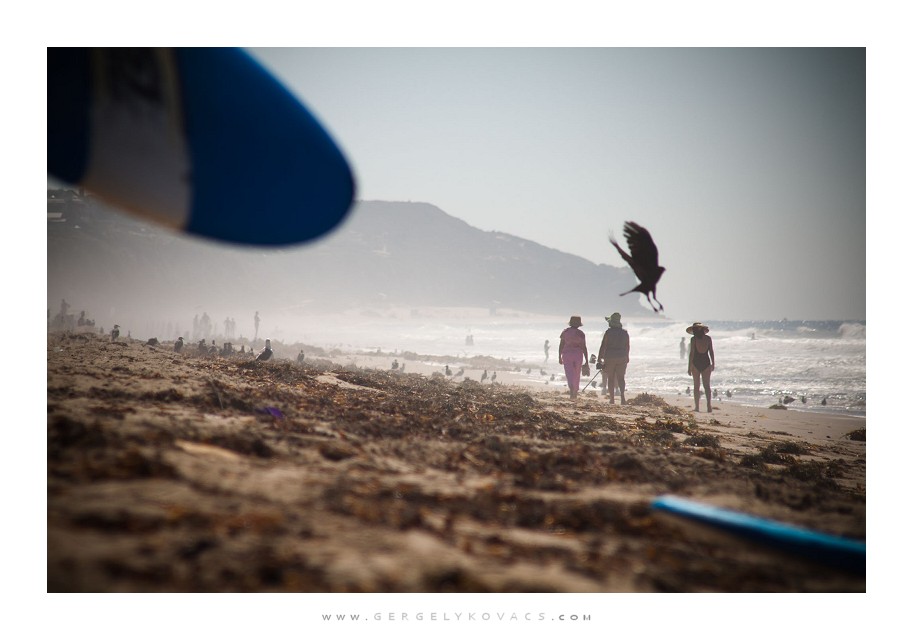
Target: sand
x,y
182,473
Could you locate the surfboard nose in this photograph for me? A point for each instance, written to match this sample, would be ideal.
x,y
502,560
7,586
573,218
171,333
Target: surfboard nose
x,y
203,140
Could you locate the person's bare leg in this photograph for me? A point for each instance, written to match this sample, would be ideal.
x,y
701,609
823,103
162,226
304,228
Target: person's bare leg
x,y
697,391
706,376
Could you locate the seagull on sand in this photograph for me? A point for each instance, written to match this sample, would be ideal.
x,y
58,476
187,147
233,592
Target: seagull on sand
x,y
643,260
179,344
266,354
484,375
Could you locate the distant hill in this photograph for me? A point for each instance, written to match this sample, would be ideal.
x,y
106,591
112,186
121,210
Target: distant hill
x,y
385,253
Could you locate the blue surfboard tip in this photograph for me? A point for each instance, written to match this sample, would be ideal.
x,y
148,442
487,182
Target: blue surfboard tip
x,y
836,551
204,138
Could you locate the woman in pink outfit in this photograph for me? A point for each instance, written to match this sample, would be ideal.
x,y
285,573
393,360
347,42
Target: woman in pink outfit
x,y
572,353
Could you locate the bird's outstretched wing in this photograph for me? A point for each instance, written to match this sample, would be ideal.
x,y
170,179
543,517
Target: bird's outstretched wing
x,y
641,244
644,255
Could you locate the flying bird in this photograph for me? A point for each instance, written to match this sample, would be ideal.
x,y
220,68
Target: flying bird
x,y
644,261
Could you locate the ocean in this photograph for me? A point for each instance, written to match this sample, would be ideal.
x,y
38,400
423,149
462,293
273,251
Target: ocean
x,y
758,363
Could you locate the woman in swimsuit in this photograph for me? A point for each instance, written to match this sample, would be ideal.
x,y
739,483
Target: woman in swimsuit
x,y
701,362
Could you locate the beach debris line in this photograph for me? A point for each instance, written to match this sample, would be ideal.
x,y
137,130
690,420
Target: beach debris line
x,y
509,485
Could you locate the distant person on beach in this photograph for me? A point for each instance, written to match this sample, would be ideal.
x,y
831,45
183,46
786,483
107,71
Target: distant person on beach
x,y
682,349
701,362
572,353
256,323
613,356
546,351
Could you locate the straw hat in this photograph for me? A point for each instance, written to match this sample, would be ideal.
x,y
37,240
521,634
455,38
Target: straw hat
x,y
697,326
575,321
614,320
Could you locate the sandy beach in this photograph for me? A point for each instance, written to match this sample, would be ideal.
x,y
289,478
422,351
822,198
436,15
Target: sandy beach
x,y
175,472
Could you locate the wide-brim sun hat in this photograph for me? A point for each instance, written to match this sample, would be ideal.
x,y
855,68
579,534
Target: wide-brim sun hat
x,y
697,326
575,321
614,319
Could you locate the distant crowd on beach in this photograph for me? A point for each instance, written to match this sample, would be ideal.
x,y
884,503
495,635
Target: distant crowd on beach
x,y
202,336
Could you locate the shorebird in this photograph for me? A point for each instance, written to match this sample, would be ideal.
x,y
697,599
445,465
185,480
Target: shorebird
x,y
179,344
266,354
484,375
494,376
643,260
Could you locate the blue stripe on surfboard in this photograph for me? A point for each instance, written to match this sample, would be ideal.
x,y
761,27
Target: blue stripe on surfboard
x,y
264,170
833,550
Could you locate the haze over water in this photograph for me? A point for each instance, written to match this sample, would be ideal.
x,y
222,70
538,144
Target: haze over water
x,y
760,363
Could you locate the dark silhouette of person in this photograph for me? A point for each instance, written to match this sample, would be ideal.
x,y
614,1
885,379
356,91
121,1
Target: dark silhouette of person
x,y
613,358
701,362
256,323
546,351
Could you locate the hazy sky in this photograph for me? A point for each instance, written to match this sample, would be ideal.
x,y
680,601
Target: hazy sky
x,y
748,165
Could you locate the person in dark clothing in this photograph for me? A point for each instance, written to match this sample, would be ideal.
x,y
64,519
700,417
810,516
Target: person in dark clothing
x,y
613,358
701,362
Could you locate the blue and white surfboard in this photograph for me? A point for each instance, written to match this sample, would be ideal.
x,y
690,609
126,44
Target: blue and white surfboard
x,y
204,140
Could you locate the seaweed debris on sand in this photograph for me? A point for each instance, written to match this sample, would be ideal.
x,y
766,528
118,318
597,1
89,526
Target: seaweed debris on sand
x,y
171,472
